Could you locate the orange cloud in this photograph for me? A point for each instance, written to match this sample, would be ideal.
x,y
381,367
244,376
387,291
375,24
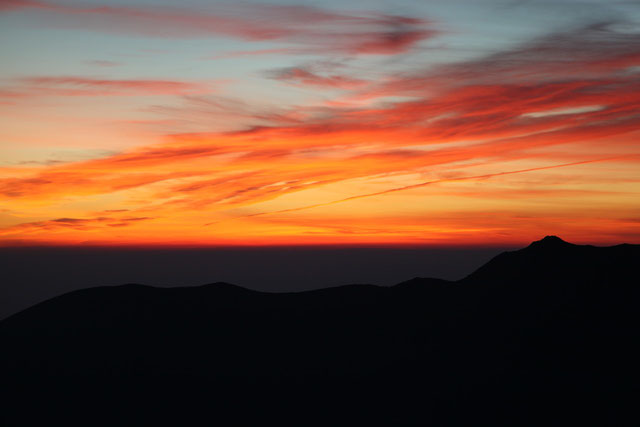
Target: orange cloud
x,y
354,172
78,224
86,86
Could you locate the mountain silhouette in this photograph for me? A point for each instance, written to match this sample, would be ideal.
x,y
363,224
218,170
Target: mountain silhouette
x,y
545,335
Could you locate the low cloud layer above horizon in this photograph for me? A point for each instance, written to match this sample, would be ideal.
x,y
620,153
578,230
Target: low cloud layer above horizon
x,y
271,123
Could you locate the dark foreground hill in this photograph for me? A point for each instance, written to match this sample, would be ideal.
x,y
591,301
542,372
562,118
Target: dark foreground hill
x,y
546,335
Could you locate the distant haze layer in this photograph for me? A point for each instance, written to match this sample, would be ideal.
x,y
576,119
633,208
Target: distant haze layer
x,y
32,275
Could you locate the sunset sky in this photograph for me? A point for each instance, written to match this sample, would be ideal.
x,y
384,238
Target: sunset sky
x,y
147,122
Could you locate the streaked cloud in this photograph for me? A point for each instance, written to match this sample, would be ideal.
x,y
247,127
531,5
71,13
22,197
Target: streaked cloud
x,y
308,29
77,224
65,86
539,137
304,77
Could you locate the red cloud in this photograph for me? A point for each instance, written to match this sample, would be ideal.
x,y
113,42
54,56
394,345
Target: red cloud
x,y
6,5
308,28
85,86
595,52
482,117
304,77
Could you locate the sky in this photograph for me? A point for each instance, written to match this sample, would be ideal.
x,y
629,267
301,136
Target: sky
x,y
450,123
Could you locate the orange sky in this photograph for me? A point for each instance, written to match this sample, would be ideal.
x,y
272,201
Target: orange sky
x,y
540,137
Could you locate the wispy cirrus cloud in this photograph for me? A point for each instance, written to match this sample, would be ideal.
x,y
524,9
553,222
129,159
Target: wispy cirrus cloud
x,y
429,183
304,76
505,121
308,29
8,5
88,86
591,52
518,112
78,224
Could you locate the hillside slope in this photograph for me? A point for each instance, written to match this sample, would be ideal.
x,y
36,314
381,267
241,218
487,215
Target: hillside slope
x,y
543,335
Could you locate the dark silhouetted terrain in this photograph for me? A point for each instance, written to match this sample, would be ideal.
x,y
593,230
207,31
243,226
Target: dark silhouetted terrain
x,y
31,275
546,335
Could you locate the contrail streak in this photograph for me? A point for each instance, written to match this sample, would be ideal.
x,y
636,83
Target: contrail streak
x,y
421,184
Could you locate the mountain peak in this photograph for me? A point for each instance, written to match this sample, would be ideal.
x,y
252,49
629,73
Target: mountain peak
x,y
549,241
552,239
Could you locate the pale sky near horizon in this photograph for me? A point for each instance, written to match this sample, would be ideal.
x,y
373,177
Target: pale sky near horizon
x,y
369,122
